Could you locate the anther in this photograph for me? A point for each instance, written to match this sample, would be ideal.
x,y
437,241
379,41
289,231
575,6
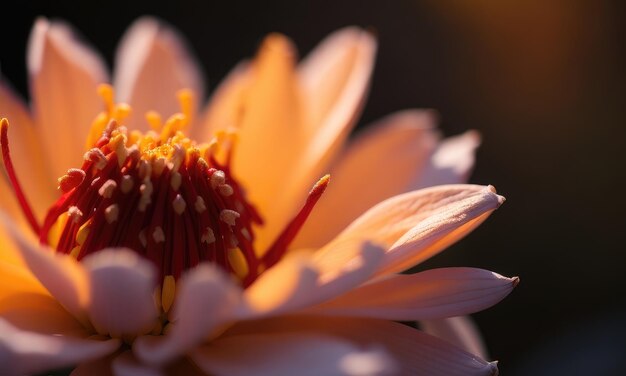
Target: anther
x,y
96,156
74,213
208,236
107,189
200,206
158,235
158,166
145,169
126,184
175,180
71,180
142,238
179,205
218,178
111,213
229,216
146,191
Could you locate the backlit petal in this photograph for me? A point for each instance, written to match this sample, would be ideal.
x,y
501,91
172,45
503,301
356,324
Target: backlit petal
x,y
64,74
151,65
460,331
290,354
27,353
416,225
122,293
431,294
381,162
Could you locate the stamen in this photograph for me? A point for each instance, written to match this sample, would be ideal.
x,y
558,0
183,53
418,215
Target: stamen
x,y
169,292
17,188
229,216
71,180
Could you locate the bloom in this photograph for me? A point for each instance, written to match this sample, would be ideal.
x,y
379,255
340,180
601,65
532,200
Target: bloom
x,y
170,249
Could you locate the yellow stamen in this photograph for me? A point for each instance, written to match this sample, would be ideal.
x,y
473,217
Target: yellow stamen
x,y
154,119
169,292
238,262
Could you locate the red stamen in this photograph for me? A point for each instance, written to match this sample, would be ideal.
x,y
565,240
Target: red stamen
x,y
17,188
278,249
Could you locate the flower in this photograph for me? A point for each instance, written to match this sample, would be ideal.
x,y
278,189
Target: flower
x,y
160,253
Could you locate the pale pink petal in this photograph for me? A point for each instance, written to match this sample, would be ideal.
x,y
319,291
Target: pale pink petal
x,y
121,286
460,331
151,65
27,157
381,162
126,364
225,106
431,294
96,367
64,74
23,352
207,299
290,354
415,352
60,274
416,225
452,161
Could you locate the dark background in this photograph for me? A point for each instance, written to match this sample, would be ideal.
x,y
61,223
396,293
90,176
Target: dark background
x,y
544,83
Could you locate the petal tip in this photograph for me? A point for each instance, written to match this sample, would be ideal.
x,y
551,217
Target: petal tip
x,y
492,189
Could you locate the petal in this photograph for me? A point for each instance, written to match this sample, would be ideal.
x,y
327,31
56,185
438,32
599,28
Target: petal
x,y
289,354
60,274
151,64
64,74
126,364
460,331
416,225
403,140
25,352
207,299
27,157
451,163
121,286
270,113
225,106
415,352
432,294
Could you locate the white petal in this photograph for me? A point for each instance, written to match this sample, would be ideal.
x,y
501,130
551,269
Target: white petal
x,y
122,293
151,65
64,74
290,354
23,352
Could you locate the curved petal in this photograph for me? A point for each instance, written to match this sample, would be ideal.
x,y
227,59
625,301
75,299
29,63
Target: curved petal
x,y
415,352
26,353
381,162
151,65
126,364
60,274
27,157
432,294
416,225
452,161
206,300
121,286
64,74
460,331
290,354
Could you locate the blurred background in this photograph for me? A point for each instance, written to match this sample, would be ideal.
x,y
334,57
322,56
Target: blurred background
x,y
544,83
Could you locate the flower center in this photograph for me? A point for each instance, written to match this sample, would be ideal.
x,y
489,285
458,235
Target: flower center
x,y
160,194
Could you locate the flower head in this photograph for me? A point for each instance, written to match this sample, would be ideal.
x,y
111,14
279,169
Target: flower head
x,y
196,244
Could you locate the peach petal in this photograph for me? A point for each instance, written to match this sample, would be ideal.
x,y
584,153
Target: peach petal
x,y
24,352
432,294
270,114
27,157
415,225
362,175
152,63
224,109
206,300
122,293
415,352
452,161
60,274
460,331
290,354
64,74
